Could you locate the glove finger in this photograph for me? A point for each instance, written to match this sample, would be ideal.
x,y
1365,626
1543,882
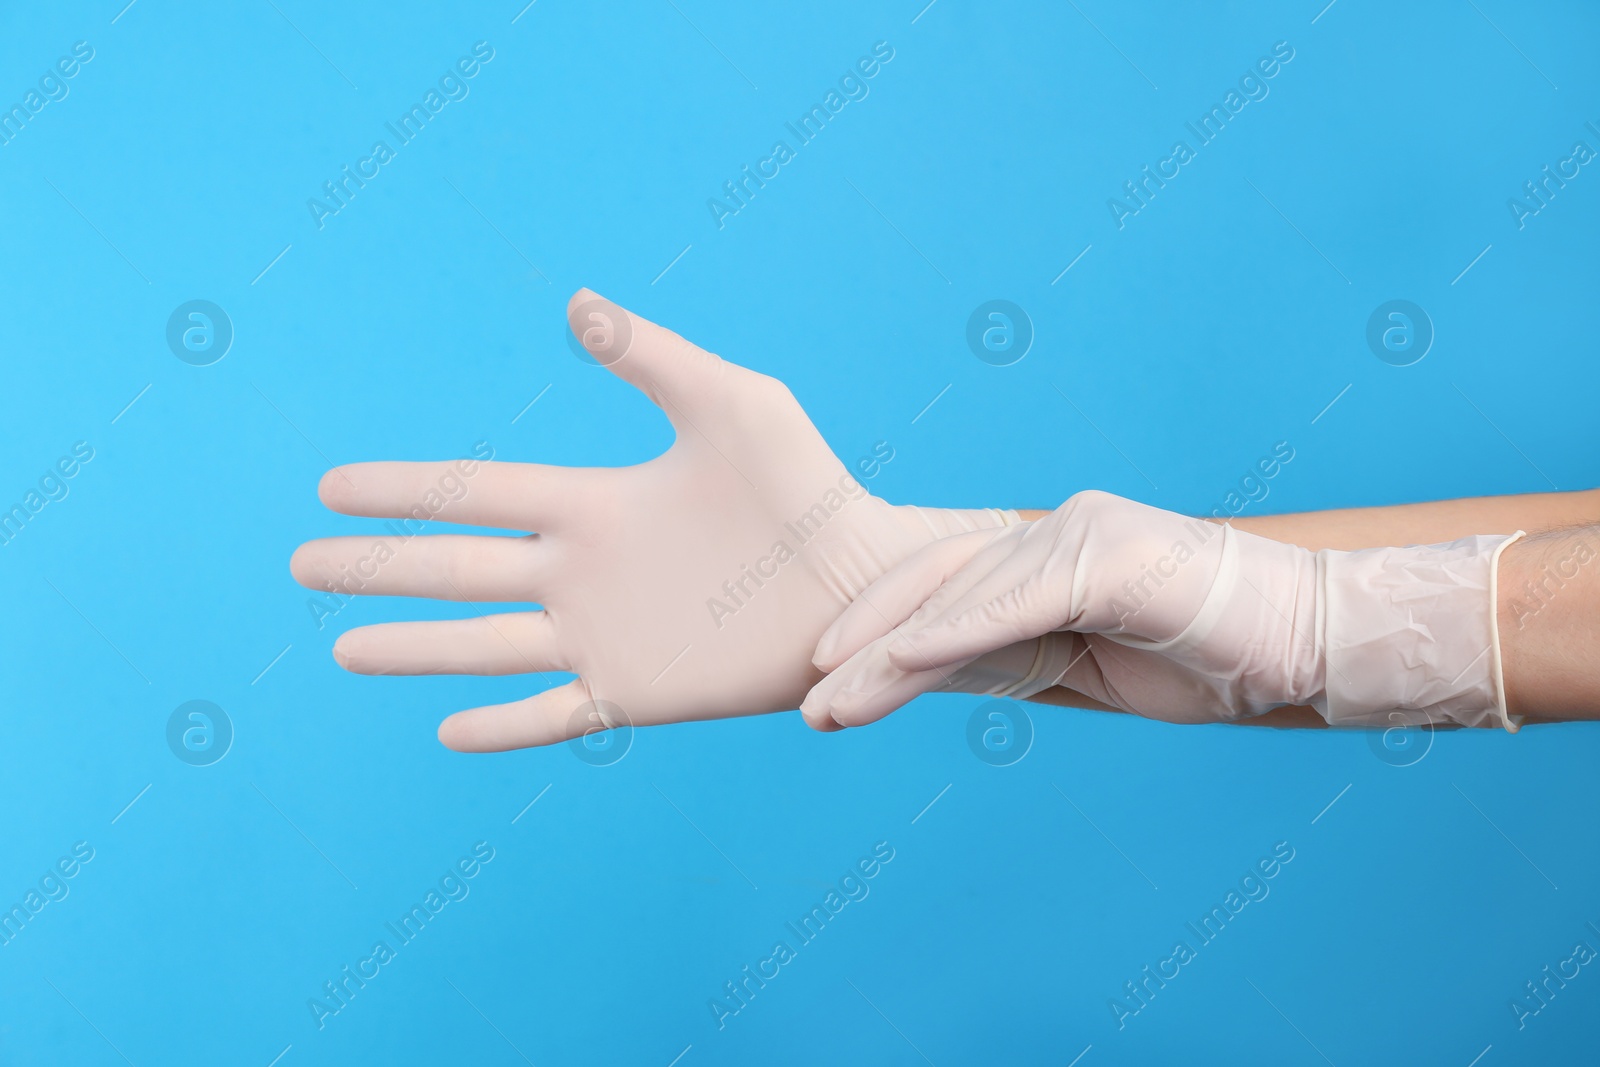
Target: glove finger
x,y
444,566
867,669
868,686
521,642
892,599
671,371
976,573
1018,613
876,687
875,693
814,708
1018,588
823,724
546,718
513,496
872,659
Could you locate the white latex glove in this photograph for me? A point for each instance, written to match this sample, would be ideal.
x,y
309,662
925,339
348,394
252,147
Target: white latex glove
x,y
1179,619
748,510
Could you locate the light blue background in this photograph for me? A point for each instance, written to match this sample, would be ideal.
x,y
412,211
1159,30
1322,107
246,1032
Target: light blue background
x,y
411,326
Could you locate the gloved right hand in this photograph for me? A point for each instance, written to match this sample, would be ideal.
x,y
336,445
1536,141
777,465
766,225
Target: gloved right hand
x,y
1179,619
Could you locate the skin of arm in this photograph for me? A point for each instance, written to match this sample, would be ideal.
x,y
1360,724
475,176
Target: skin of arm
x,y
1549,602
1549,599
1431,523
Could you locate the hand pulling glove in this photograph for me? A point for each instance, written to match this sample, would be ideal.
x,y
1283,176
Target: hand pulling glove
x,y
1180,619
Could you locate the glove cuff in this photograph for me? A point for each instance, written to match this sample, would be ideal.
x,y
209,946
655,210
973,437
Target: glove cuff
x,y
1512,723
1410,635
947,522
1017,671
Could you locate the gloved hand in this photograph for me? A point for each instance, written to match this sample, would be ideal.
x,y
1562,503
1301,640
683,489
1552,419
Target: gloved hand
x,y
1178,619
692,586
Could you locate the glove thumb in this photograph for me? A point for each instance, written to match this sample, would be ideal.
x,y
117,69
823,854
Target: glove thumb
x,y
671,371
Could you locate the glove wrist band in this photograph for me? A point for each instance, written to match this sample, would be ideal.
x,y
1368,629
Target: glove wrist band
x,y
1511,723
1411,635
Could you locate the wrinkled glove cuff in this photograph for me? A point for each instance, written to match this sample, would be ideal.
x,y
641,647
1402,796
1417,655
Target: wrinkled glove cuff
x,y
1411,635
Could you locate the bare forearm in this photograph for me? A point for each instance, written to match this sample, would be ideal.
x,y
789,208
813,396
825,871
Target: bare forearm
x,y
1430,523
1549,606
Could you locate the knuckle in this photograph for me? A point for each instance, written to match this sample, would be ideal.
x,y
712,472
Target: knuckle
x,y
1088,502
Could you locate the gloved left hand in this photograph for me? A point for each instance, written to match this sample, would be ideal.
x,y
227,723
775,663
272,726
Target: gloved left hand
x,y
691,586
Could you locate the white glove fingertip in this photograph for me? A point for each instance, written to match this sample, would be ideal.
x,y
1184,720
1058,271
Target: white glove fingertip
x,y
821,721
921,650
856,707
814,708
826,657
852,707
